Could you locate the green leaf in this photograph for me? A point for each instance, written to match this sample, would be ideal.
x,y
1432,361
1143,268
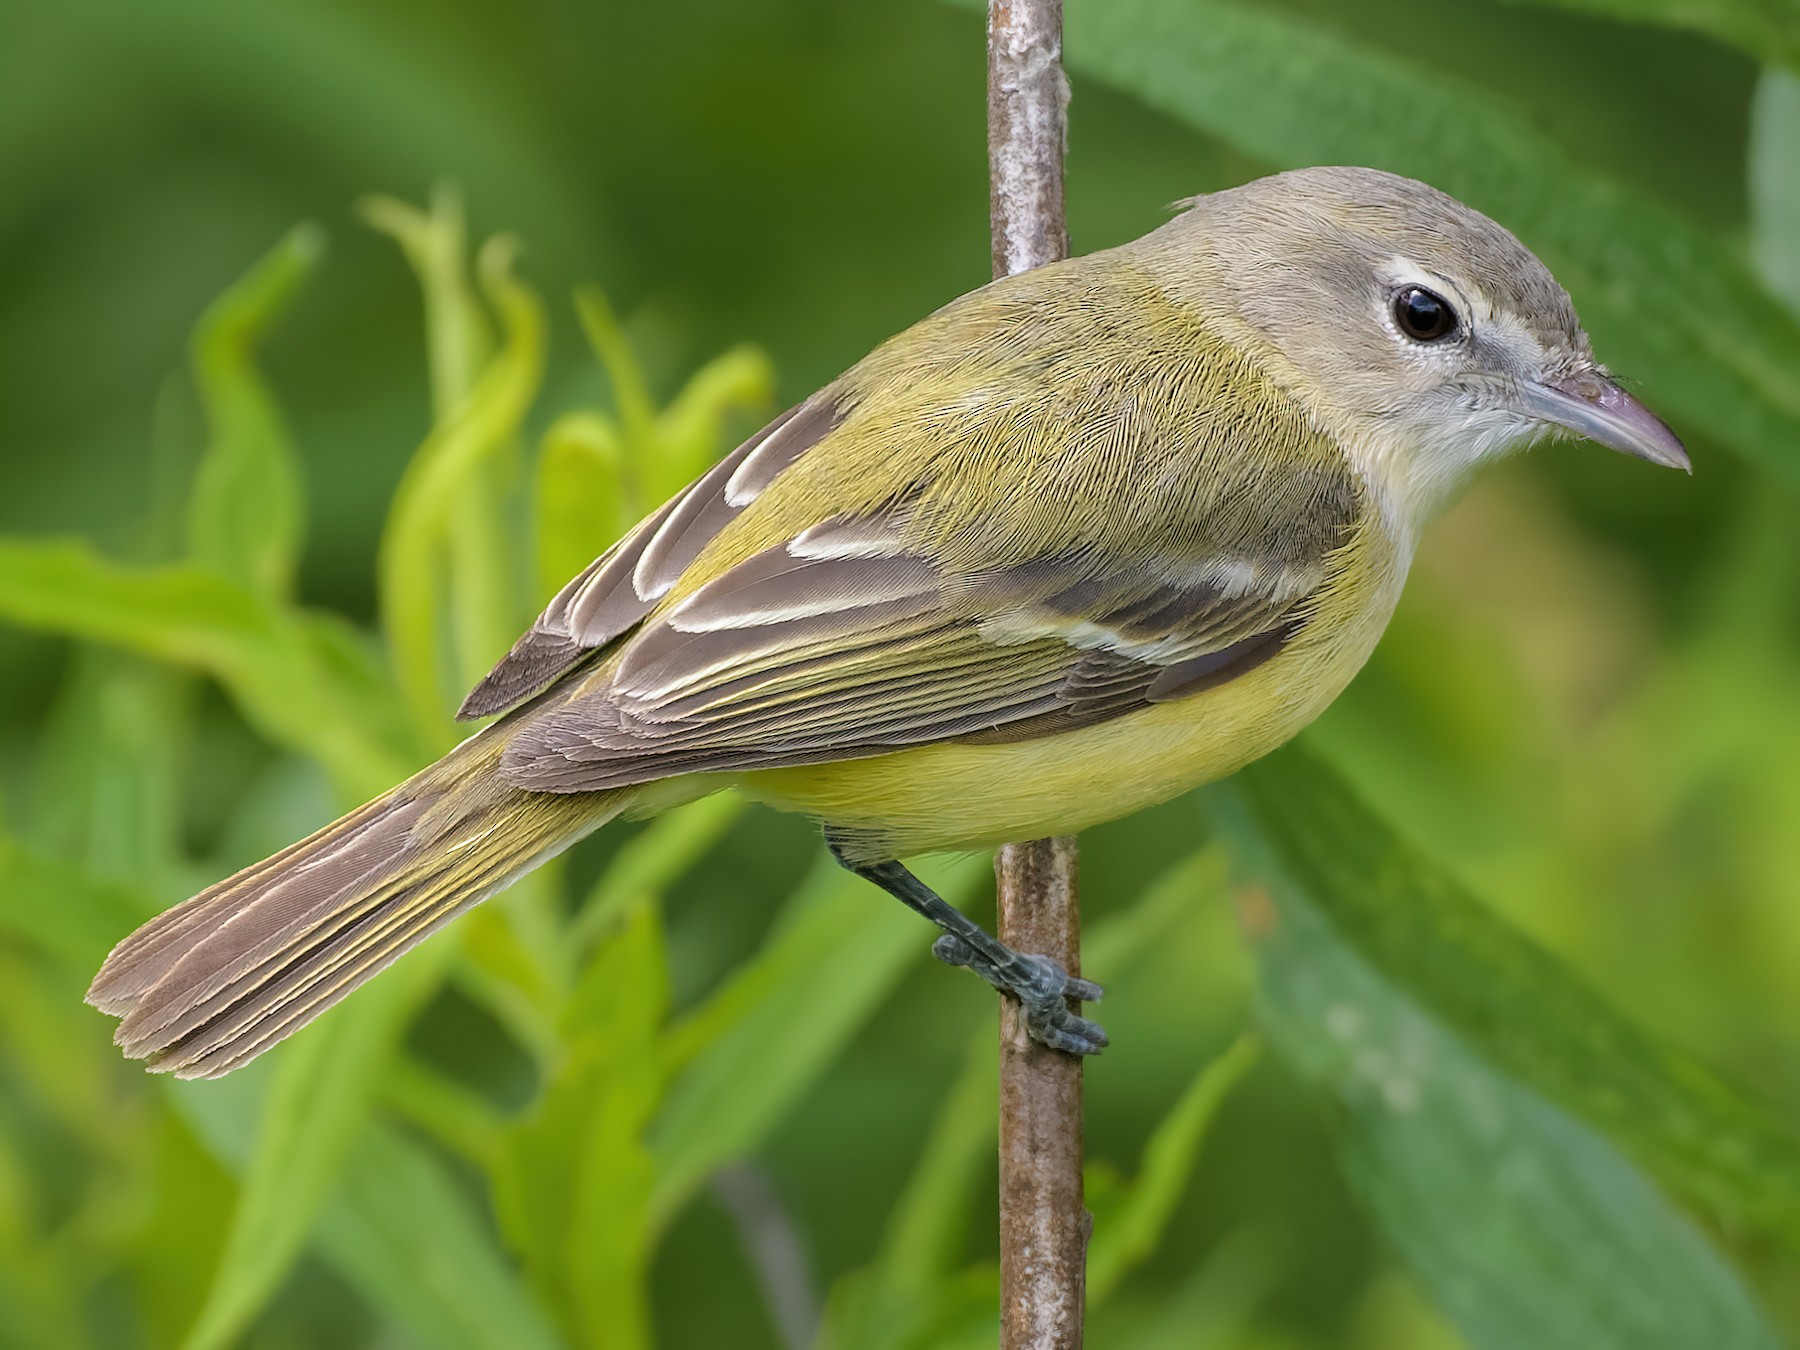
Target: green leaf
x,y
1768,29
631,392
316,1105
246,515
284,672
111,754
1214,1308
396,1228
663,452
49,1040
653,860
1127,1232
180,614
1523,1224
597,477
504,969
1774,181
574,1178
1494,1103
1514,1002
1667,303
480,600
580,497
910,1295
442,518
401,1233
38,1286
435,242
457,1116
64,911
689,431
761,1041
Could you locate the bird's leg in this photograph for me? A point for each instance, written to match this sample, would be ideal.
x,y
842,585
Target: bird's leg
x,y
1041,985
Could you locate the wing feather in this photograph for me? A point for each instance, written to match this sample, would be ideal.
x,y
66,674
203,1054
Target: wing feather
x,y
621,587
841,643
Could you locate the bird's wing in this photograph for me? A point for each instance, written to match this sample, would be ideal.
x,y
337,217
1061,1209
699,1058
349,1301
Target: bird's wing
x,y
842,642
621,587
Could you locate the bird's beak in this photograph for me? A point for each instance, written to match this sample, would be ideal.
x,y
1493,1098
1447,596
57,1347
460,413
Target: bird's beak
x,y
1594,408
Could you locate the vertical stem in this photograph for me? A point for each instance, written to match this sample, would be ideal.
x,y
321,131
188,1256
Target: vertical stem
x,y
1028,123
1044,1223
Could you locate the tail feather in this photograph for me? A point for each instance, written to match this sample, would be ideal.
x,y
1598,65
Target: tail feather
x,y
212,983
141,960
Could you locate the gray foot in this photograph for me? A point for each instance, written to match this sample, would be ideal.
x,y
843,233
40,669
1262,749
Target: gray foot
x,y
1042,988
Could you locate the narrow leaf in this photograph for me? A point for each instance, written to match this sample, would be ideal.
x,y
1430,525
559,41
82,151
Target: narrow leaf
x,y
580,497
1774,181
401,1233
689,431
457,1116
655,859
274,665
1767,29
478,569
435,242
909,1294
764,1039
631,392
316,1105
423,520
247,511
397,1228
66,912
110,777
1514,1003
574,1177
1128,1232
1523,1224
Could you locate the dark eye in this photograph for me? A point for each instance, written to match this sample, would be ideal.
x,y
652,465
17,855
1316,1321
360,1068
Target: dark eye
x,y
1422,315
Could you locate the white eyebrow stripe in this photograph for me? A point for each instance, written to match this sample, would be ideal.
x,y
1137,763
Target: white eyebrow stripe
x,y
1403,271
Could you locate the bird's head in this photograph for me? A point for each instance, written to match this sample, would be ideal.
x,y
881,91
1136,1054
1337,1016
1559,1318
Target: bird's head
x,y
1421,334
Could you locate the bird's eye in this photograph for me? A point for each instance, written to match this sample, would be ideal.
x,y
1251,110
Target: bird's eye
x,y
1422,315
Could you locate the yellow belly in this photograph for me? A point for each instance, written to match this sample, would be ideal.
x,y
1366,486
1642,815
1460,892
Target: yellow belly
x,y
954,796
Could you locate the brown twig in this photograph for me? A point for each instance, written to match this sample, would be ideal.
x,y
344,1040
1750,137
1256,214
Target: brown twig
x,y
1043,1221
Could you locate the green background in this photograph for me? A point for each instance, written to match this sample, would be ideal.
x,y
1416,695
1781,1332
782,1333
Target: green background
x,y
1472,1020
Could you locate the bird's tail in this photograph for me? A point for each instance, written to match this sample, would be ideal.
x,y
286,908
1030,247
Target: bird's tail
x,y
207,986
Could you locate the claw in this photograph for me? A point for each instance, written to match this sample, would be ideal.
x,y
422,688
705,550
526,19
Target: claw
x,y
953,951
1075,1036
1043,989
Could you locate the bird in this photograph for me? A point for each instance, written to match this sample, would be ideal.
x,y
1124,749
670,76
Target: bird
x,y
1081,540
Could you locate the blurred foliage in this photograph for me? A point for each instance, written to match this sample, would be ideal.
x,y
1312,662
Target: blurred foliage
x,y
1472,1021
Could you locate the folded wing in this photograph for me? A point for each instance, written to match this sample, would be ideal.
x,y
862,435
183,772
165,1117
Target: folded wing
x,y
841,642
